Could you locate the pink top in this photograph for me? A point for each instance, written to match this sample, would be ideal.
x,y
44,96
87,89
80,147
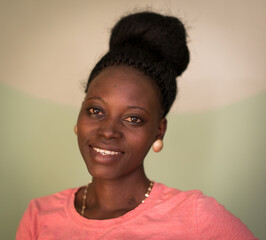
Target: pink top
x,y
167,214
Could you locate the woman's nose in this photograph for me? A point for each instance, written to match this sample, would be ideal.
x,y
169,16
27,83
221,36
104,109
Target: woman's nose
x,y
109,129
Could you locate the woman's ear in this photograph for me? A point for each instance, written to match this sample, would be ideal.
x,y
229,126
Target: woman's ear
x,y
162,128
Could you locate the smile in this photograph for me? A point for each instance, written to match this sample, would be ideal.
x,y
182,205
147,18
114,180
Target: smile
x,y
105,152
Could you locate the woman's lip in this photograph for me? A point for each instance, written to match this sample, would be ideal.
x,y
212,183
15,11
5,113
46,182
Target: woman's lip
x,y
103,157
106,149
105,152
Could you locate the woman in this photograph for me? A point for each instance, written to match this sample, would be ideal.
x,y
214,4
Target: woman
x,y
128,95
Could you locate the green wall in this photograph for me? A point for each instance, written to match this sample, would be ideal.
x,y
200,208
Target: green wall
x,y
221,152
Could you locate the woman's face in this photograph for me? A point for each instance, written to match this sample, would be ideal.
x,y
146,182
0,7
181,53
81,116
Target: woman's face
x,y
119,120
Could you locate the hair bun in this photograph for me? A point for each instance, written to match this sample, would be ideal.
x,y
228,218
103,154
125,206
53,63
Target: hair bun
x,y
163,36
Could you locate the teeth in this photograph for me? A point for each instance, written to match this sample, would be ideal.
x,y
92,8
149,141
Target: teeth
x,y
105,152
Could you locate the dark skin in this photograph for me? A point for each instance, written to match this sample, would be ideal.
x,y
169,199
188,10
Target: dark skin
x,y
119,121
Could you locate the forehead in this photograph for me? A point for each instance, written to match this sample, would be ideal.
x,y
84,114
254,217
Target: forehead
x,y
124,81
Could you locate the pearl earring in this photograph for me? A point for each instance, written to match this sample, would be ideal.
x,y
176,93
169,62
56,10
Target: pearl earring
x,y
157,145
76,129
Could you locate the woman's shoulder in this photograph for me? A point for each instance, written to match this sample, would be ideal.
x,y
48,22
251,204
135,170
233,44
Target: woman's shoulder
x,y
42,211
54,200
165,193
202,204
180,204
210,217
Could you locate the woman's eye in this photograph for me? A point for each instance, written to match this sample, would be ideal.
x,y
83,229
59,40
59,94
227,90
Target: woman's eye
x,y
133,119
94,111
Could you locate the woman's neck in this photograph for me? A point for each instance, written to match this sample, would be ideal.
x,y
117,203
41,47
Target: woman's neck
x,y
113,198
118,193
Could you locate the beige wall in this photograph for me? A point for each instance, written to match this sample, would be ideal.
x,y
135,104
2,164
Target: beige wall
x,y
48,47
216,134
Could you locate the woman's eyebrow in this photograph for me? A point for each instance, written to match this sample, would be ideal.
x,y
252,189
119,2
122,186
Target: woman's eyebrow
x,y
97,98
139,108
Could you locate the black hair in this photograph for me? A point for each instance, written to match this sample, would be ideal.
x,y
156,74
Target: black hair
x,y
153,44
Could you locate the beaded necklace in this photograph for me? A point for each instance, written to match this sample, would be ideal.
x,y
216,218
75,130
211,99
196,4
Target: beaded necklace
x,y
147,194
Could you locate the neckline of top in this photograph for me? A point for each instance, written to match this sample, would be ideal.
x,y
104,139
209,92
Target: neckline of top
x,y
139,210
